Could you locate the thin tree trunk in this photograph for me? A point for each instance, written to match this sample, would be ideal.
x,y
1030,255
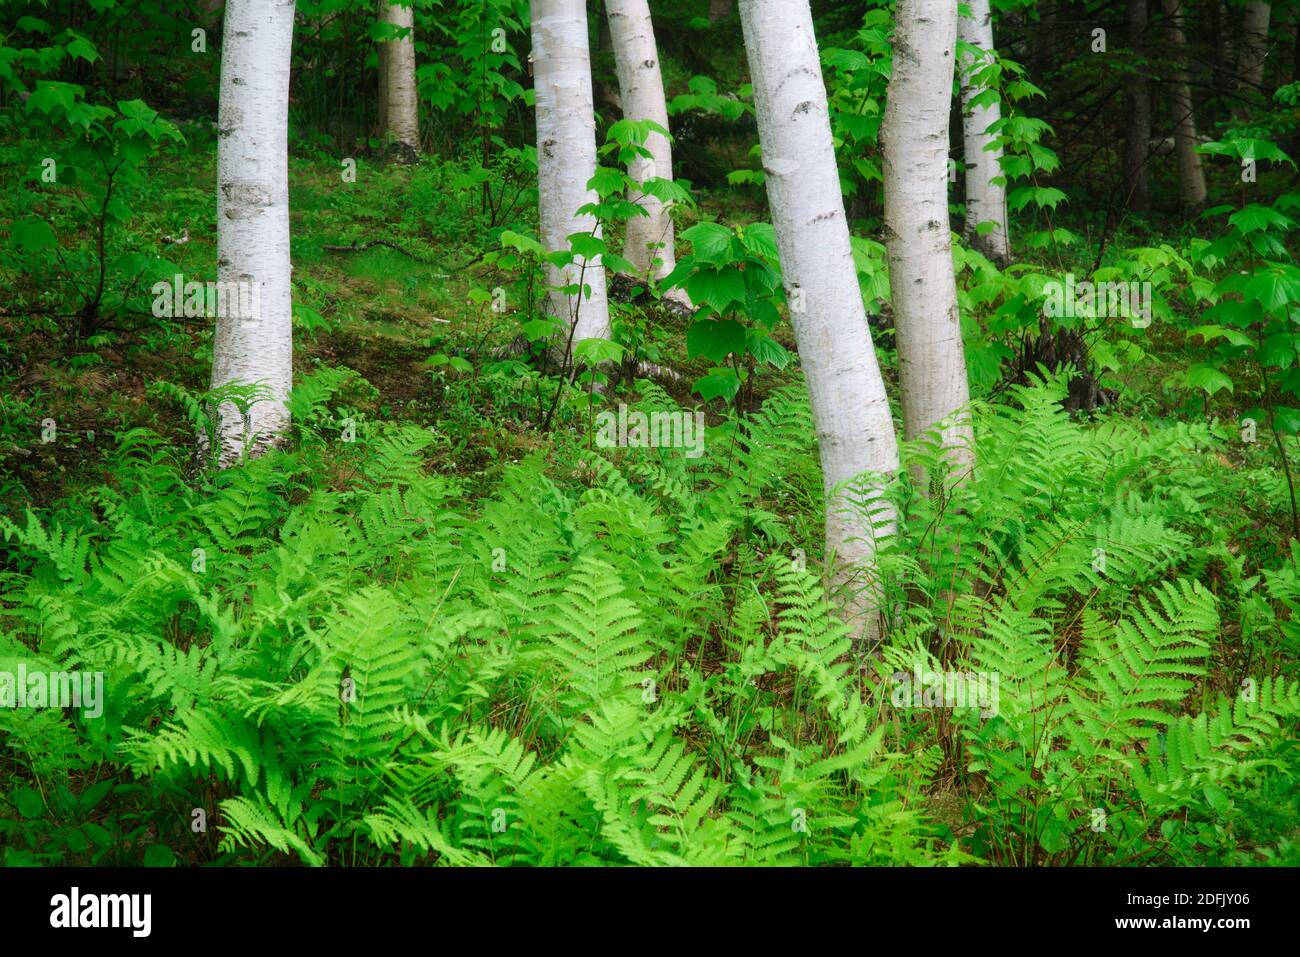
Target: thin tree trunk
x,y
641,89
1137,194
1283,62
1045,37
719,9
931,359
986,200
1191,179
253,222
399,110
1220,55
1225,39
855,430
566,160
1295,53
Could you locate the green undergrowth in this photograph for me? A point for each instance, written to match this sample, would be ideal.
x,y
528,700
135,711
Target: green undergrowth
x,y
345,653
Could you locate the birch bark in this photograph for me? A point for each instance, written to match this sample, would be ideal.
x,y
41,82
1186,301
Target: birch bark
x,y
855,429
931,357
1254,46
399,111
650,239
253,223
566,160
986,200
1191,179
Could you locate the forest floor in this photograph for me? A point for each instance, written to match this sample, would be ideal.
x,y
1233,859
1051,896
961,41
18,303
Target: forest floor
x,y
391,314
381,311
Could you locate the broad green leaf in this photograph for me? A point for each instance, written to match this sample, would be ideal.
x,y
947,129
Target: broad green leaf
x,y
50,96
586,245
709,241
32,234
767,350
1286,420
596,351
1210,333
760,239
715,339
1255,217
1274,286
718,384
719,289
29,803
1207,377
1279,350
525,244
159,855
84,49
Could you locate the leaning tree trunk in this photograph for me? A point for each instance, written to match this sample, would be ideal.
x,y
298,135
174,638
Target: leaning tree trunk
x,y
253,223
932,362
986,200
855,430
1137,195
1191,179
650,242
399,110
566,162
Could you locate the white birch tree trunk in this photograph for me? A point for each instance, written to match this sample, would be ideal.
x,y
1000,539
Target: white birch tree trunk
x,y
1254,46
566,159
855,429
986,201
253,222
399,108
641,89
931,358
1191,179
